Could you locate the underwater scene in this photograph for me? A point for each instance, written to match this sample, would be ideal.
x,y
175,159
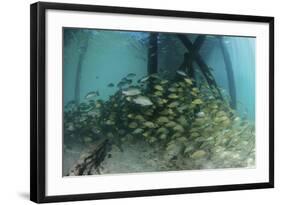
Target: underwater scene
x,y
137,101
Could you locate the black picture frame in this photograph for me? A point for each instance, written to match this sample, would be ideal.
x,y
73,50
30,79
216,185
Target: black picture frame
x,y
38,101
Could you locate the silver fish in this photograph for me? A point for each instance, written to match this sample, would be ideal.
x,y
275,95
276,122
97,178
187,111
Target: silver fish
x,y
144,79
92,94
200,114
143,101
181,73
131,92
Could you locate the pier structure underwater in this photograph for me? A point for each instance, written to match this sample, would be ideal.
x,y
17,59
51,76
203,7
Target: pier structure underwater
x,y
168,120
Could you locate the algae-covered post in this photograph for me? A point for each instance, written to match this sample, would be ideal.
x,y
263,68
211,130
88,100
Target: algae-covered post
x,y
229,73
83,50
193,48
183,66
152,58
152,53
186,65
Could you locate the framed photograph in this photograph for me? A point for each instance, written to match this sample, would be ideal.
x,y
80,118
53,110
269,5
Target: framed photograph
x,y
129,102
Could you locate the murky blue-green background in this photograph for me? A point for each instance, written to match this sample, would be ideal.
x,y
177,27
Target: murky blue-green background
x,y
108,56
95,61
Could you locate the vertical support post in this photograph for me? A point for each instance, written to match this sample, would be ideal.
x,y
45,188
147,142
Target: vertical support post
x,y
79,71
152,63
190,68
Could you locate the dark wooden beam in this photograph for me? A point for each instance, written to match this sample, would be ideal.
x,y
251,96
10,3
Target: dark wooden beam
x,y
183,66
187,65
195,49
152,58
152,63
198,43
198,59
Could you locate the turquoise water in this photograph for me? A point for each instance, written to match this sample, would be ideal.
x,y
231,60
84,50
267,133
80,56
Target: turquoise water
x,y
242,55
208,92
111,55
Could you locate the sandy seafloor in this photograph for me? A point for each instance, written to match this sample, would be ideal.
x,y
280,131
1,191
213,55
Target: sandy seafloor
x,y
142,157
